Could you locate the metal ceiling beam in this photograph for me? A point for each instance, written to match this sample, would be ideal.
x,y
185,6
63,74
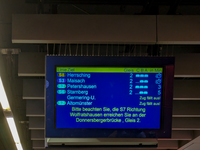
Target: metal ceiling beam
x,y
192,145
116,2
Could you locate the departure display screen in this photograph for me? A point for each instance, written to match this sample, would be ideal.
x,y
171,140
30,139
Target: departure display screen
x,y
108,97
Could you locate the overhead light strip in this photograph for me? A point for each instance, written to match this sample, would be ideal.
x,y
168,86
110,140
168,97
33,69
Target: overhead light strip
x,y
19,146
3,99
13,129
10,120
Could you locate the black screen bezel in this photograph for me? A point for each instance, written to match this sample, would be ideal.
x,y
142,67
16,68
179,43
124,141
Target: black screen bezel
x,y
165,127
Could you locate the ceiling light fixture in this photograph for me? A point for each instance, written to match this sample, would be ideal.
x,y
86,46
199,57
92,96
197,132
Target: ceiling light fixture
x,y
9,117
13,130
3,99
19,146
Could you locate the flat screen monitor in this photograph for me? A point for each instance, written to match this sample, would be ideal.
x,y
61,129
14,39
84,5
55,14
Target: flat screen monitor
x,y
99,96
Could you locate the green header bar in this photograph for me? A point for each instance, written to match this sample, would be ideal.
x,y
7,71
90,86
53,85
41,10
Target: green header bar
x,y
109,69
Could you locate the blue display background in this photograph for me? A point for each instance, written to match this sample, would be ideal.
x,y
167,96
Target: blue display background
x,y
112,91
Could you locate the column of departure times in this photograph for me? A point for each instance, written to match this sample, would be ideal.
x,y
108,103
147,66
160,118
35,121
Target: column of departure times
x,y
138,83
141,84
